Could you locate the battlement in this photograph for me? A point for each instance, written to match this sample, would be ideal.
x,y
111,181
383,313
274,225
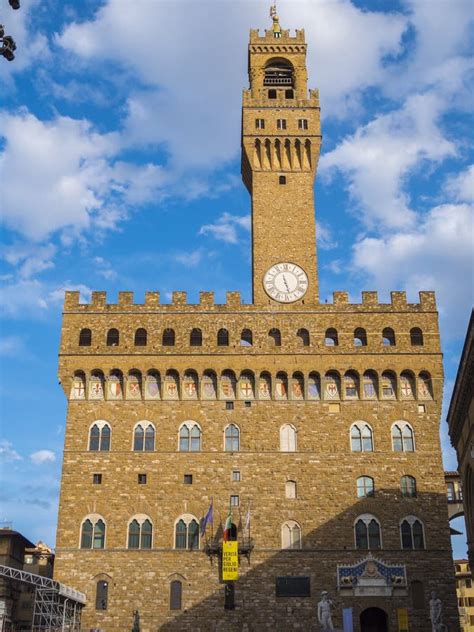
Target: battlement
x,y
269,37
179,302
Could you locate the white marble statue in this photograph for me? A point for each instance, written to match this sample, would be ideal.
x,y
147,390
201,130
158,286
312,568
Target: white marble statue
x,y
436,613
324,612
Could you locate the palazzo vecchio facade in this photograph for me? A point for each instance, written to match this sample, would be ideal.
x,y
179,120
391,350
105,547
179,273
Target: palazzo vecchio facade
x,y
321,418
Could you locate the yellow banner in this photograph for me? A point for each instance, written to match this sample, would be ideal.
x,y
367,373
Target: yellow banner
x,y
402,619
230,561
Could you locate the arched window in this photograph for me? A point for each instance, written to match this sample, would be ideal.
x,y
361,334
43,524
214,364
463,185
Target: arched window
x,y
101,595
290,489
303,335
144,437
314,386
96,385
246,385
113,338
416,337
168,338
297,386
209,385
389,385
408,486
361,438
153,385
195,339
93,532
232,438
115,384
290,535
222,338
265,386
134,384
370,385
330,338
85,338
281,385
332,385
141,337
411,533
278,72
140,532
425,390
367,532
190,384
407,385
176,592
365,486
78,390
275,336
388,337
171,385
228,385
360,337
402,437
187,532
99,437
189,437
287,438
246,339
351,385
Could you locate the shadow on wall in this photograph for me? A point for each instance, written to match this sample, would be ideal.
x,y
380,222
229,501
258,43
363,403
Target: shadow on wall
x,y
258,608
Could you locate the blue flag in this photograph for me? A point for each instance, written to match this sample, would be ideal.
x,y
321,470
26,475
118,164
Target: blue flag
x,y
209,517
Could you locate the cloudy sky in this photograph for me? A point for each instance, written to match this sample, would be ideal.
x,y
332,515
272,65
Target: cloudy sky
x,y
120,170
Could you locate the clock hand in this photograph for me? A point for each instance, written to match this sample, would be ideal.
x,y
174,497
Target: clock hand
x,y
286,284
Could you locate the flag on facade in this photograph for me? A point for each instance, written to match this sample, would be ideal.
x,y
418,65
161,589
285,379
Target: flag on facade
x,y
228,526
273,10
209,517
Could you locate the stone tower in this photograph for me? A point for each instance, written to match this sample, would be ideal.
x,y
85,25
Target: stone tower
x,y
317,424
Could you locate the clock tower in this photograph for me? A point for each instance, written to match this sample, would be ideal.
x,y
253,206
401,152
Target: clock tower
x,y
281,138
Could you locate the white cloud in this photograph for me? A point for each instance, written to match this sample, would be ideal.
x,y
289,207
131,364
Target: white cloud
x,y
436,254
190,259
30,298
43,456
30,258
461,186
104,269
377,158
324,237
226,227
7,453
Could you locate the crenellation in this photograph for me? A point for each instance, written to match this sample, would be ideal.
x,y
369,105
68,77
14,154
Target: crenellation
x,y
427,300
206,300
370,298
125,299
98,300
179,299
398,300
340,298
152,300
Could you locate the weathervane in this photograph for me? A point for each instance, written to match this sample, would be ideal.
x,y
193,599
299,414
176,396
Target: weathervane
x,y
276,23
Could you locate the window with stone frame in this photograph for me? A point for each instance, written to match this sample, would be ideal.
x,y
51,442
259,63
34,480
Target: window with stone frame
x,y
365,487
140,533
290,535
411,533
93,532
402,437
408,486
187,533
232,438
361,437
99,437
367,533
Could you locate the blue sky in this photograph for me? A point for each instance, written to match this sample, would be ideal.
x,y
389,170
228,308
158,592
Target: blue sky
x,y
120,170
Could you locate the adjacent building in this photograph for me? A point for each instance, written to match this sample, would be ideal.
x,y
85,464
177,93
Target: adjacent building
x,y
461,431
465,594
311,428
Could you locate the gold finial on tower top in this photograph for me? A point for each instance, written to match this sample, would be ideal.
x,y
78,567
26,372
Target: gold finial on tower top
x,y
276,21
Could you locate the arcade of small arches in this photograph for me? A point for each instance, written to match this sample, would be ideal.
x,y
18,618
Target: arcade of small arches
x,y
247,385
190,437
367,531
331,338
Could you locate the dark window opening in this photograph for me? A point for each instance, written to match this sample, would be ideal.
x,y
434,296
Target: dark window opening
x,y
278,72
85,338
281,179
142,479
289,94
168,338
141,337
302,123
275,335
303,335
331,338
272,94
260,123
195,339
388,337
416,337
229,596
97,479
188,479
176,591
112,338
101,595
229,405
248,404
222,338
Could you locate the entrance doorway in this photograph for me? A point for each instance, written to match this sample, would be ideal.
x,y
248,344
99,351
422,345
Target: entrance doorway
x,y
373,620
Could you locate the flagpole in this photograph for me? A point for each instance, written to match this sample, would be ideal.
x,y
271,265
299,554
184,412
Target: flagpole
x,y
249,520
212,521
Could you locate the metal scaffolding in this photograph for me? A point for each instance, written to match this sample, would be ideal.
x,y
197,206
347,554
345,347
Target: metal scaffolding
x,y
57,608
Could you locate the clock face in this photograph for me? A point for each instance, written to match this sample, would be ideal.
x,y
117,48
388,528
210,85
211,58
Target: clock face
x,y
285,282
